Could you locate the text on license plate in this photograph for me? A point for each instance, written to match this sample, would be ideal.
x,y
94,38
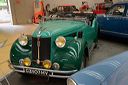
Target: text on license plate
x,y
36,71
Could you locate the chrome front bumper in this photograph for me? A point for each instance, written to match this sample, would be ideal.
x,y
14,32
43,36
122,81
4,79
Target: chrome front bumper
x,y
38,71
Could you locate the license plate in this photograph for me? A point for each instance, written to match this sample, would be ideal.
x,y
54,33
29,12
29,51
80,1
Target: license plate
x,y
36,71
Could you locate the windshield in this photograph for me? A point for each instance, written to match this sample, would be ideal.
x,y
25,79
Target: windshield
x,y
84,17
67,8
64,18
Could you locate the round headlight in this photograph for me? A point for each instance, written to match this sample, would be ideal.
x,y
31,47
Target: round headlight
x,y
27,62
47,64
21,62
56,66
23,40
71,82
60,42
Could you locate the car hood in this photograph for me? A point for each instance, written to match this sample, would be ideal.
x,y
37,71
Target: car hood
x,y
57,27
109,71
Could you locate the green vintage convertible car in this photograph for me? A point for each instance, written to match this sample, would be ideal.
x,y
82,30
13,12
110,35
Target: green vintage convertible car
x,y
58,48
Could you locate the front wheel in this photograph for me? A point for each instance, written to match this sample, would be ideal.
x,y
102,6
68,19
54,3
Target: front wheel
x,y
84,62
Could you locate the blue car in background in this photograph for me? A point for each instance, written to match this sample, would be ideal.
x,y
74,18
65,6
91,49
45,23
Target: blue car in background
x,y
115,21
113,71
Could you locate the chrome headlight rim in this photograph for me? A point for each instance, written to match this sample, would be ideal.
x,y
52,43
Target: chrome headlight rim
x,y
63,41
70,81
21,62
56,66
23,40
47,64
28,60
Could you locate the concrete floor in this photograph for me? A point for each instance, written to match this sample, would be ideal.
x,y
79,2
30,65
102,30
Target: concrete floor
x,y
8,33
107,48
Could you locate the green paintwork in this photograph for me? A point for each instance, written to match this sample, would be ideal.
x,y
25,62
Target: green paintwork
x,y
57,27
69,57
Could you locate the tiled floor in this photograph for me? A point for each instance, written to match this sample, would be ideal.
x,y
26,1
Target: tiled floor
x,y
8,34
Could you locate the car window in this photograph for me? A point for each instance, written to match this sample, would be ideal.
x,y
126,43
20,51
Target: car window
x,y
117,10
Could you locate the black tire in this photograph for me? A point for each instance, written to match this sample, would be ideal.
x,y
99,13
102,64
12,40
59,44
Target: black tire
x,y
84,62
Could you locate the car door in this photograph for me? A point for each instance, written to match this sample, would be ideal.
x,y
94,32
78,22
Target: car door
x,y
112,21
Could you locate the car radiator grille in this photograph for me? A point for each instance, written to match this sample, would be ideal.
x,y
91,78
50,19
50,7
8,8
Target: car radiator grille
x,y
42,50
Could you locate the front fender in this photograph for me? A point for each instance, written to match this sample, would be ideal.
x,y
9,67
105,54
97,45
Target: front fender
x,y
70,56
18,52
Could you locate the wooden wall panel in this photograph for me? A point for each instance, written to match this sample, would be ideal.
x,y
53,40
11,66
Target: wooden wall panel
x,y
22,11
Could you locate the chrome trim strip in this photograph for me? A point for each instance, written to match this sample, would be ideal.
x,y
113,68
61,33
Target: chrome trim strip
x,y
55,76
22,49
38,46
59,76
20,71
113,32
52,71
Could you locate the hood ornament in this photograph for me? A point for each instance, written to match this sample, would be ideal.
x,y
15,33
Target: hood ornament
x,y
38,45
39,33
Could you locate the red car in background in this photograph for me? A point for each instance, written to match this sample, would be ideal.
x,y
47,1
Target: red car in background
x,y
99,8
84,6
64,10
67,8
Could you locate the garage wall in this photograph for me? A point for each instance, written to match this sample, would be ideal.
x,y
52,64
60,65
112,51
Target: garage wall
x,y
54,3
22,11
